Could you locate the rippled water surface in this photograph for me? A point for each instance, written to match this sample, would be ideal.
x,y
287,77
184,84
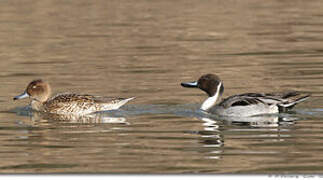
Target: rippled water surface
x,y
145,49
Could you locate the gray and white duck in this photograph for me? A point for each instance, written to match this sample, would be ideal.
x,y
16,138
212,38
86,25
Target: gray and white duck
x,y
243,105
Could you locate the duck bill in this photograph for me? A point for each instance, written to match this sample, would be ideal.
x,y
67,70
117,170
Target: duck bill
x,y
21,96
189,84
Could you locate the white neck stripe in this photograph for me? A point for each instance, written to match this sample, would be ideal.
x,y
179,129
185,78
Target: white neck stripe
x,y
210,102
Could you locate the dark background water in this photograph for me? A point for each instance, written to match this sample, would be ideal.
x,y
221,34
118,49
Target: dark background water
x,y
145,49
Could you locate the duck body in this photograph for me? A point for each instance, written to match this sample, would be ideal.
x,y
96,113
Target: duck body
x,y
247,104
78,104
68,103
250,104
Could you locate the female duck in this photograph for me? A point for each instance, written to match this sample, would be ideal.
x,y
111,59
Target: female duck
x,y
248,104
39,92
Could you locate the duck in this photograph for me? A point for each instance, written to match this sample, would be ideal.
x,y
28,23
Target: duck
x,y
39,92
243,105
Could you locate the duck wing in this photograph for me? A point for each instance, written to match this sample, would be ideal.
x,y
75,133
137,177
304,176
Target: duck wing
x,y
84,98
70,103
288,99
83,104
242,100
284,100
109,103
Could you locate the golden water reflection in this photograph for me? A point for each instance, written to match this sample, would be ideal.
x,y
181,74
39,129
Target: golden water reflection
x,y
145,49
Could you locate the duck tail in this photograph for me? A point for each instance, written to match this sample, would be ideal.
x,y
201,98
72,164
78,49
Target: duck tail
x,y
294,99
115,104
124,101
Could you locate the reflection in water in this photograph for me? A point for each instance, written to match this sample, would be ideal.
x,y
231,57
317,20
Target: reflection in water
x,y
256,121
265,120
212,138
83,119
272,127
145,48
99,117
210,125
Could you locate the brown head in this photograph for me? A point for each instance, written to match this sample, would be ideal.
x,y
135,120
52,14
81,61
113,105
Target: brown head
x,y
38,90
209,83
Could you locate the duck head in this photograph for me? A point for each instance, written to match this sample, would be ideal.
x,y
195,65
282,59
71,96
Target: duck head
x,y
37,90
209,83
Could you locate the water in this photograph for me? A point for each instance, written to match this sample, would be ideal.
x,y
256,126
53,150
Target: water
x,y
145,49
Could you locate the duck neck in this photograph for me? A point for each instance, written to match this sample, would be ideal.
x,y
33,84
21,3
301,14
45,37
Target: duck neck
x,y
36,105
211,100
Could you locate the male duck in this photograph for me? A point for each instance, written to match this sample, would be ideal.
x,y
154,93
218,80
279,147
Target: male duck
x,y
243,105
39,91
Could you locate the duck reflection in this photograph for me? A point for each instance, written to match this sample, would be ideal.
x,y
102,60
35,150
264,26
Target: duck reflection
x,y
211,138
265,121
216,135
102,117
83,119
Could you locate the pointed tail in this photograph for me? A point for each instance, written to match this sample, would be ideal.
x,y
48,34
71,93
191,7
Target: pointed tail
x,y
292,101
124,101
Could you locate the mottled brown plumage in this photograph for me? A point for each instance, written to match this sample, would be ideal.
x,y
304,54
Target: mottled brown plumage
x,y
39,92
